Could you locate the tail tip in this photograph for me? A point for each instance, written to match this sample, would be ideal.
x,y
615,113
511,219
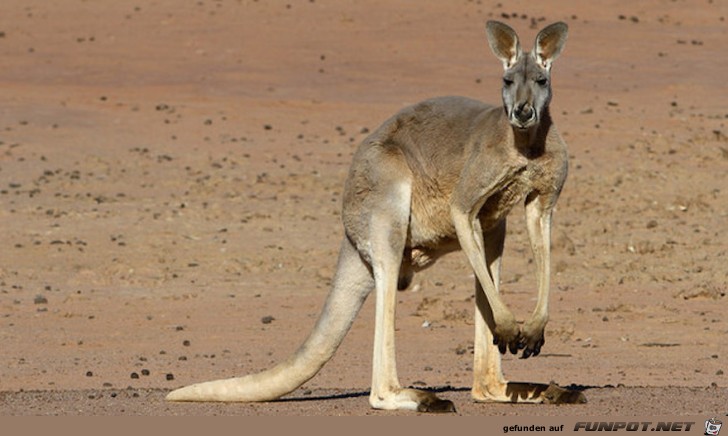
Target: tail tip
x,y
181,394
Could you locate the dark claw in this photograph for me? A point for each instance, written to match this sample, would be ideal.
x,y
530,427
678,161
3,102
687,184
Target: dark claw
x,y
537,350
514,346
502,347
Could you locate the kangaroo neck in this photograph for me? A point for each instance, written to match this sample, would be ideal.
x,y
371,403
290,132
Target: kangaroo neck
x,y
531,142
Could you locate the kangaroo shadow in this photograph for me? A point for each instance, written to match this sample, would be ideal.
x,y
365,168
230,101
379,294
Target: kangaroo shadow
x,y
552,393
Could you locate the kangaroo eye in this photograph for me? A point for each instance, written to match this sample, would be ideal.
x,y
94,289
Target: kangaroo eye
x,y
507,82
542,82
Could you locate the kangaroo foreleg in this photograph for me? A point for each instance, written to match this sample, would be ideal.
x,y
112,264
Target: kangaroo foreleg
x,y
506,333
538,221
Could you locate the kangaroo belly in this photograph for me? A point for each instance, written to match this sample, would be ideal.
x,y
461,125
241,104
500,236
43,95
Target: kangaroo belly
x,y
430,222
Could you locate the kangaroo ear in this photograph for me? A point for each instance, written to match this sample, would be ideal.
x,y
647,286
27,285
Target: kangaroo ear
x,y
549,43
504,42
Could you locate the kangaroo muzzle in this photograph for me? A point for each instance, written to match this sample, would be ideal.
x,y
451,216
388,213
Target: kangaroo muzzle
x,y
523,116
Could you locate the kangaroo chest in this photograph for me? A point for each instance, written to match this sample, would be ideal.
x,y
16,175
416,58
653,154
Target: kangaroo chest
x,y
497,206
431,224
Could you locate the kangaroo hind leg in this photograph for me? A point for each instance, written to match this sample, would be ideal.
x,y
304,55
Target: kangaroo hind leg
x,y
387,206
387,245
489,384
488,381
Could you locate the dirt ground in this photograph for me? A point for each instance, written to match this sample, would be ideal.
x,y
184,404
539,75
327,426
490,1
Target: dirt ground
x,y
170,192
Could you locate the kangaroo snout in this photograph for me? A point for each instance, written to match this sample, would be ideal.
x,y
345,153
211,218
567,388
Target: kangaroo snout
x,y
524,115
524,112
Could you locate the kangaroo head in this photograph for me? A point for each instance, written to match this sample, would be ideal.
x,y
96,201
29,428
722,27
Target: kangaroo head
x,y
527,77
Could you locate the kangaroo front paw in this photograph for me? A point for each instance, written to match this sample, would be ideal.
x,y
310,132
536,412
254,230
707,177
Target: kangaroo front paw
x,y
507,336
531,340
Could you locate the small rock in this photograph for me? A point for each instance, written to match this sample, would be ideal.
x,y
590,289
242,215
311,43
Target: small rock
x,y
267,319
40,299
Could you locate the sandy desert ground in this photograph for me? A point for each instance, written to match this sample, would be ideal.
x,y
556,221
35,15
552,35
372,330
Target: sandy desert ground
x,y
170,191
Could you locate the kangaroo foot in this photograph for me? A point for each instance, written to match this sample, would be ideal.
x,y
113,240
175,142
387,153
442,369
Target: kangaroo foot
x,y
518,392
434,404
411,399
555,394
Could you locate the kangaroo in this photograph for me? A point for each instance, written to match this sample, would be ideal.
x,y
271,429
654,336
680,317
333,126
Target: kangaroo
x,y
439,176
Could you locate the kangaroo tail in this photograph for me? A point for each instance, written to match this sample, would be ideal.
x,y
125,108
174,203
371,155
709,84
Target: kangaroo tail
x,y
352,284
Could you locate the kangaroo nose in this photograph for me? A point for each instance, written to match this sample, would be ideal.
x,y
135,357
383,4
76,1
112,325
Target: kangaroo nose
x,y
524,112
